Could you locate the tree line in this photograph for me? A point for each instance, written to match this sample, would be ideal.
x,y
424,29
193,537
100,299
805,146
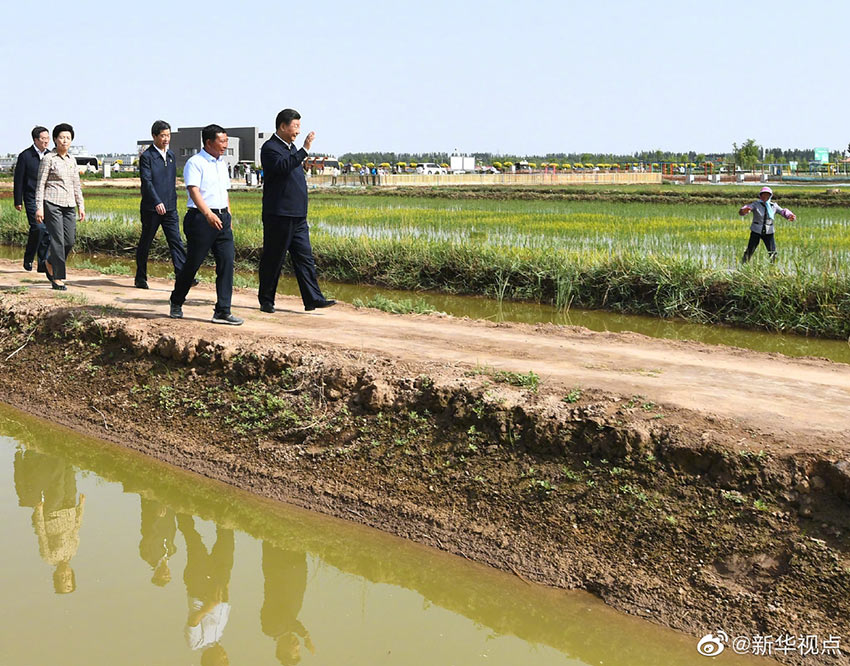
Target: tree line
x,y
747,154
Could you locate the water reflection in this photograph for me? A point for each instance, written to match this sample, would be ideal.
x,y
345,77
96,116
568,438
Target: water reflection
x,y
262,583
207,580
48,485
284,585
159,526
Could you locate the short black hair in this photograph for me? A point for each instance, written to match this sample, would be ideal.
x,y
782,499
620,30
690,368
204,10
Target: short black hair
x,y
210,132
158,126
37,130
285,117
62,127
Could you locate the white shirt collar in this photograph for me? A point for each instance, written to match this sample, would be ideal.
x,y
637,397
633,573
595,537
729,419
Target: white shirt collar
x,y
288,145
41,153
161,152
210,158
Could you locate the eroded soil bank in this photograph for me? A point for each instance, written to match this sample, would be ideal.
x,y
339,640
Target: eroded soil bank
x,y
658,510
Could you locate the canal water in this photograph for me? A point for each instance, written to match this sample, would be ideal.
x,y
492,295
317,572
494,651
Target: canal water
x,y
111,558
511,311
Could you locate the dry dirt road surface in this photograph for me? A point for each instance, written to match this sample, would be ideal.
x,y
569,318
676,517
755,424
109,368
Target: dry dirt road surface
x,y
804,403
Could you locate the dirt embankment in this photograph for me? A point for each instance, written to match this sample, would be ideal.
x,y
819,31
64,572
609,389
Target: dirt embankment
x,y
662,511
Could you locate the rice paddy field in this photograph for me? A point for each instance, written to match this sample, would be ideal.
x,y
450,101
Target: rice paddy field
x,y
629,251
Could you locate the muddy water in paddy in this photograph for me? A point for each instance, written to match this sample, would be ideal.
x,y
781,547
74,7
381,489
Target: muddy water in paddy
x,y
154,550
528,313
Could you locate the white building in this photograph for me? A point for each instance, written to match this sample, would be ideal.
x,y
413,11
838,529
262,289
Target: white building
x,y
459,163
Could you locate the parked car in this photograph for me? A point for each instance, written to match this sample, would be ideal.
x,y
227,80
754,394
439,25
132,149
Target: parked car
x,y
429,168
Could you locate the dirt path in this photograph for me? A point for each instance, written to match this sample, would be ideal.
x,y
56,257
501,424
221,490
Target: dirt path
x,y
805,402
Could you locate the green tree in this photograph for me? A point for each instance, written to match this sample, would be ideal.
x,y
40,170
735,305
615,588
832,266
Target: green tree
x,y
747,155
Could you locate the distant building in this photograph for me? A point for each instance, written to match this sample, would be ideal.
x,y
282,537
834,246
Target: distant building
x,y
8,161
243,144
462,163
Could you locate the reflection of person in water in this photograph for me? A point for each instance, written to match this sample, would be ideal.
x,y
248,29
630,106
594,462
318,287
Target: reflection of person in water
x,y
285,574
157,544
48,485
207,577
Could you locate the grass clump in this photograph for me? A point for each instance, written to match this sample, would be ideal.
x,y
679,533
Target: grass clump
x,y
395,306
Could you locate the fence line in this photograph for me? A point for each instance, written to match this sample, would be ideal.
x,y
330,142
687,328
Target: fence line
x,y
423,180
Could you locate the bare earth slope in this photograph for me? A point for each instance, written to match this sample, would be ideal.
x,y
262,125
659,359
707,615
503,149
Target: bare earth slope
x,y
803,402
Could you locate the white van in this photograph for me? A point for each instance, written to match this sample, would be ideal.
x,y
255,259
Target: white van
x,y
430,168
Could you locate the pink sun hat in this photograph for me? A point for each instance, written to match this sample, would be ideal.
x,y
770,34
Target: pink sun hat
x,y
766,189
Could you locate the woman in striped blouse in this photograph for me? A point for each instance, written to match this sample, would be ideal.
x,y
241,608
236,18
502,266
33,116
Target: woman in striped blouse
x,y
58,193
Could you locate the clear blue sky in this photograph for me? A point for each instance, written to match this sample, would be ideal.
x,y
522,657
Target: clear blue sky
x,y
508,77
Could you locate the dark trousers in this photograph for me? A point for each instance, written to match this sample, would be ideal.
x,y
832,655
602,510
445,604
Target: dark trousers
x,y
38,240
61,223
151,221
283,234
201,238
769,243
207,574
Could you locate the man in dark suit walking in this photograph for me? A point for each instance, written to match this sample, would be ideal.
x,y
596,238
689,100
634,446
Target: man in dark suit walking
x,y
158,171
26,178
285,215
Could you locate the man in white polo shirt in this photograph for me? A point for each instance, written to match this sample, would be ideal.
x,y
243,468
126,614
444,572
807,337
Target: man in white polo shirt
x,y
207,225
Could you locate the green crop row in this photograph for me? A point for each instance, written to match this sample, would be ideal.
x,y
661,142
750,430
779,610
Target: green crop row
x,y
666,260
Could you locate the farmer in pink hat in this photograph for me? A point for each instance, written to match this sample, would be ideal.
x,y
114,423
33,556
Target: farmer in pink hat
x,y
764,211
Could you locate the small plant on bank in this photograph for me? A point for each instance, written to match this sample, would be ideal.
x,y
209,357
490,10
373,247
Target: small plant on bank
x,y
78,299
733,496
573,396
635,492
569,474
529,380
542,487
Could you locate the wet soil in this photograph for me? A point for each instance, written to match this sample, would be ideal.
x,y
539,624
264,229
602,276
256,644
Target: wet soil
x,y
608,462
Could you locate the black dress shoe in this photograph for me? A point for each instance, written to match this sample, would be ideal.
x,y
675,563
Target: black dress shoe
x,y
27,265
267,307
141,284
319,304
